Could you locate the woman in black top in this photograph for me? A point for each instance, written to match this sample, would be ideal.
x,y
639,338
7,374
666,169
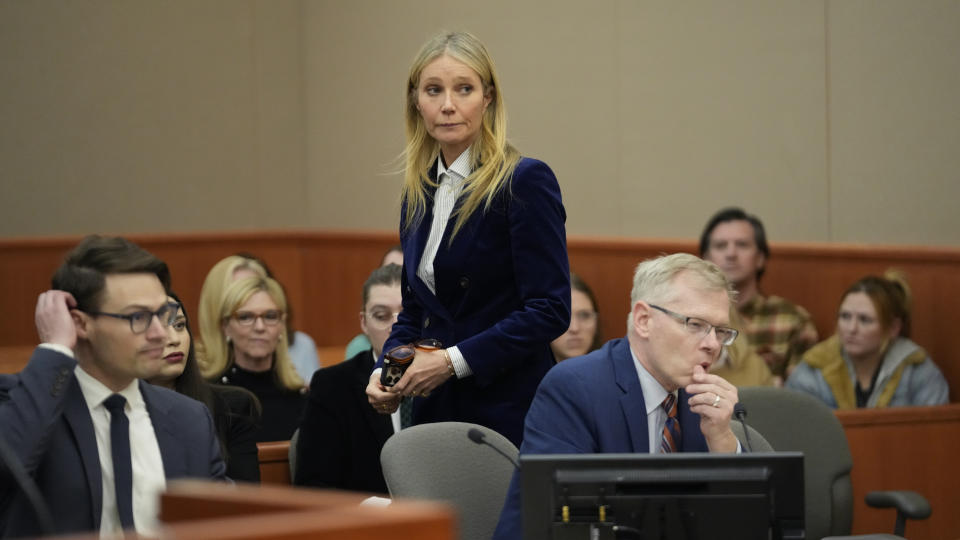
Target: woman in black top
x,y
251,352
235,411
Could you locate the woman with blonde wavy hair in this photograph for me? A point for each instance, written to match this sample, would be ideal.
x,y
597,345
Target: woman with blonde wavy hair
x,y
484,244
225,272
871,361
250,351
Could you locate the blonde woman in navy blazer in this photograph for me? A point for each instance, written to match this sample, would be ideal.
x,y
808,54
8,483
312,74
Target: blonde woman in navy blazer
x,y
484,244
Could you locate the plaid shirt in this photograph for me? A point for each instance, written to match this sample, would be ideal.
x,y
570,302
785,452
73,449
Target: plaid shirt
x,y
778,330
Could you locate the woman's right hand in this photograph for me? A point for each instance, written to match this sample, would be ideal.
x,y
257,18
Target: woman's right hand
x,y
380,397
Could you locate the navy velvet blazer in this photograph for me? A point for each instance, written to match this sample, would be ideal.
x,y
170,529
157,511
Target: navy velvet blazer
x,y
46,422
502,295
591,404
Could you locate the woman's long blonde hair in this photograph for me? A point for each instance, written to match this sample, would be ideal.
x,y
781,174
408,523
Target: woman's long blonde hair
x,y
219,353
493,159
211,300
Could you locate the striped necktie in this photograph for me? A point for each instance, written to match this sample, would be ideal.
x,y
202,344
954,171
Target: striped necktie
x,y
406,412
670,439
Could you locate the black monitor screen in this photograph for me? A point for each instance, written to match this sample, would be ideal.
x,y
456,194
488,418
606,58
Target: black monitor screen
x,y
690,496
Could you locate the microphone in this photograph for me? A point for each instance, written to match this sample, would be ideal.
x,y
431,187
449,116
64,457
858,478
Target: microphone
x,y
26,484
478,437
741,413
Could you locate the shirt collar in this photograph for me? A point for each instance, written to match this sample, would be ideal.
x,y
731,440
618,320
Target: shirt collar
x,y
458,170
653,393
95,392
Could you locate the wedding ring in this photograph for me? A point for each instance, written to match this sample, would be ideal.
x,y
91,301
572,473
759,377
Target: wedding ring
x,y
716,402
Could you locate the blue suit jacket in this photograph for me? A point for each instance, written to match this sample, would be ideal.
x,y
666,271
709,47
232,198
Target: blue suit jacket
x,y
592,404
502,294
45,420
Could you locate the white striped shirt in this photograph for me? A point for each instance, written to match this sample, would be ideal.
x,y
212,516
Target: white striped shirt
x,y
451,184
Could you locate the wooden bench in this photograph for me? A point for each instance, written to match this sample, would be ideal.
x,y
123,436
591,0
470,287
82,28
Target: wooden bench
x,y
914,448
274,460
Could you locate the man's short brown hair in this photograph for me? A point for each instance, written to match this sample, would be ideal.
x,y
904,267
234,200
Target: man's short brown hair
x,y
84,269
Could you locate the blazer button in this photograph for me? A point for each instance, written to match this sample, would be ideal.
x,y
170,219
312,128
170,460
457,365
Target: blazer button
x,y
464,282
426,322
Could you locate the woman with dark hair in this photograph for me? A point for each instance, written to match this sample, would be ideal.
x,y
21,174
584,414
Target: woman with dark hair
x,y
235,411
870,361
583,335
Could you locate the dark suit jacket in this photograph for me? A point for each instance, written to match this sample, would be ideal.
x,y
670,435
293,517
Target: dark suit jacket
x,y
45,420
341,434
592,404
502,294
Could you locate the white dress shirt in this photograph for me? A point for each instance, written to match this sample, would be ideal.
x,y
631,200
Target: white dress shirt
x,y
148,477
451,184
653,396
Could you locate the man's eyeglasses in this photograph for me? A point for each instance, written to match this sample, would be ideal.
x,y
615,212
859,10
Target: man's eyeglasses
x,y
140,320
381,318
701,328
248,318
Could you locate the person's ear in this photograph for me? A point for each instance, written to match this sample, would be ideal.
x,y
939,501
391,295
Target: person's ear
x,y
761,261
363,323
81,321
895,328
640,318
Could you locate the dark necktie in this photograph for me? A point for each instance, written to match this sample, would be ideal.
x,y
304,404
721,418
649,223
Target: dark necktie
x,y
670,440
406,412
122,468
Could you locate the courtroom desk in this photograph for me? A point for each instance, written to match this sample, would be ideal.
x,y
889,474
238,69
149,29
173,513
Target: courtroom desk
x,y
274,458
206,510
912,448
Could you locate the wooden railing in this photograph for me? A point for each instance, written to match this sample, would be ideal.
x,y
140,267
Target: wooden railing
x,y
913,448
323,272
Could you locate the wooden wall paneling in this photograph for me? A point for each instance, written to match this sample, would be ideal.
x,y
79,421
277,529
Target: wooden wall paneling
x,y
323,272
913,448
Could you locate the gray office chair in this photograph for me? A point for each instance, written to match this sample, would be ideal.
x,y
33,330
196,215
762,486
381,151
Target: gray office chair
x,y
440,462
755,442
792,420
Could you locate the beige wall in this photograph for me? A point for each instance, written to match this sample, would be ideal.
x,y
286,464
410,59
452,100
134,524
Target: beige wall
x,y
834,121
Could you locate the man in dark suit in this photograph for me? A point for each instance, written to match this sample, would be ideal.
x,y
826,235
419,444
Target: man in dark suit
x,y
341,435
648,392
99,443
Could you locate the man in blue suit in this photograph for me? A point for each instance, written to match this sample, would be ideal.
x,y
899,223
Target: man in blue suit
x,y
648,392
99,443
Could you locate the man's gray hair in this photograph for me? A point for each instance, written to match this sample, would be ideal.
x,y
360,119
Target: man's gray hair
x,y
652,278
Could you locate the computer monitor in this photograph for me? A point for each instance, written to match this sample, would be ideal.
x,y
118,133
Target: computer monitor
x,y
691,496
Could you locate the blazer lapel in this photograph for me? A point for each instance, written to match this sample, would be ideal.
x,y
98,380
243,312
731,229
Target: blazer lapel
x,y
77,415
413,250
171,448
632,403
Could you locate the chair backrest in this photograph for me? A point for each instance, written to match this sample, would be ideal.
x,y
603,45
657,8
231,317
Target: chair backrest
x,y
439,462
791,420
754,443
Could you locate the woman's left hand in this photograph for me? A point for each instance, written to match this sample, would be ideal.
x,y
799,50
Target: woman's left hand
x,y
428,371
